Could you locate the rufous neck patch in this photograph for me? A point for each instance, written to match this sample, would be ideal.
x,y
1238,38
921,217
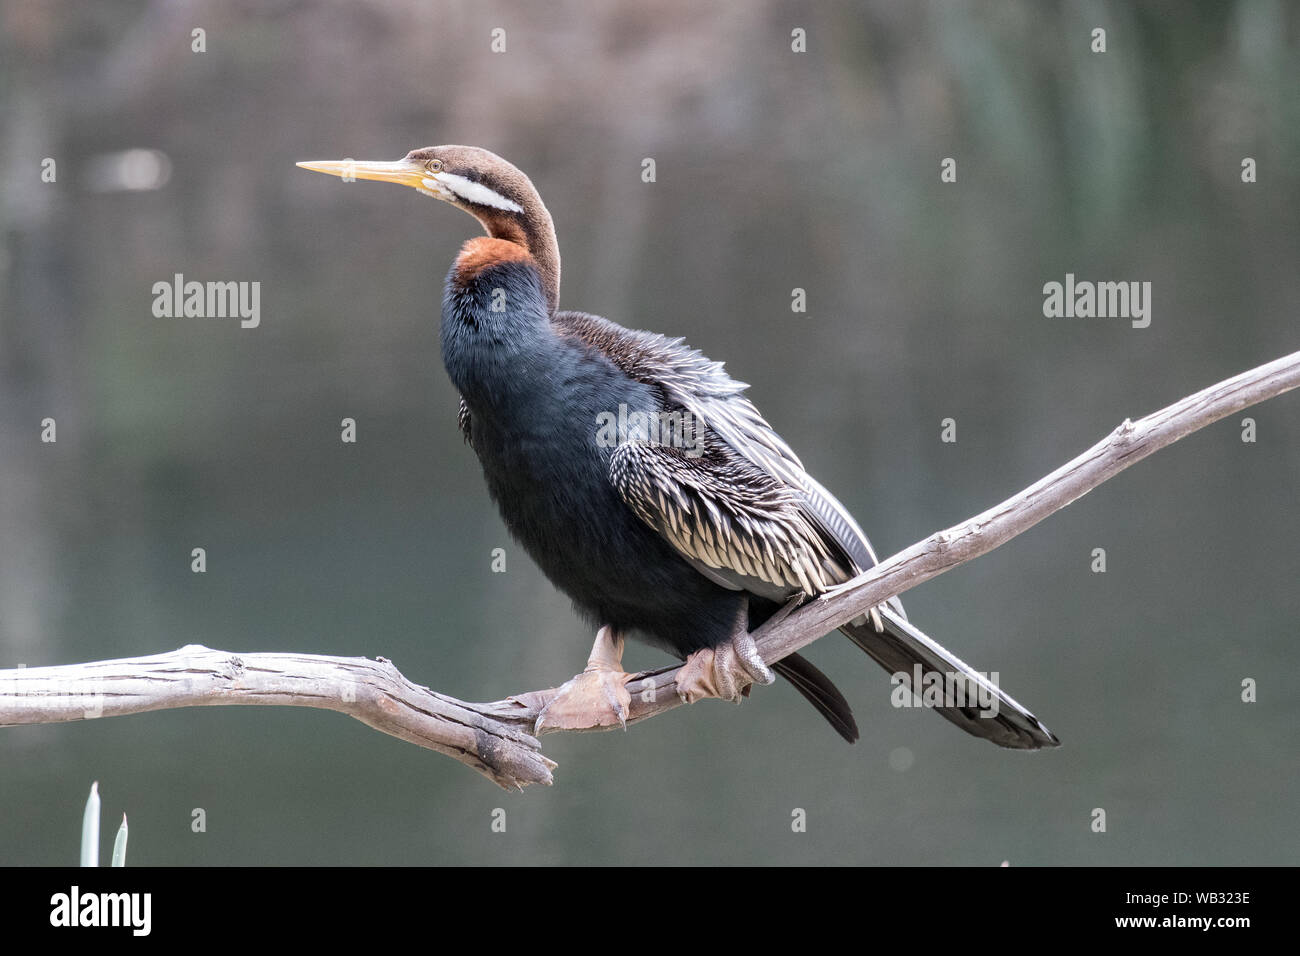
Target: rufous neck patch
x,y
485,251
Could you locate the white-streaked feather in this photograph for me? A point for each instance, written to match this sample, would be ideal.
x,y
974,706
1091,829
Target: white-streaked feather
x,y
715,400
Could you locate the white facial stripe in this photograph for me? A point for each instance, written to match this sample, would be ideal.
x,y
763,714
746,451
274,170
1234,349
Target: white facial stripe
x,y
431,188
471,191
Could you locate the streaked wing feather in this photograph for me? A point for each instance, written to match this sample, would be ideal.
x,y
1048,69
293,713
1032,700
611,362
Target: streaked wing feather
x,y
463,421
733,522
704,389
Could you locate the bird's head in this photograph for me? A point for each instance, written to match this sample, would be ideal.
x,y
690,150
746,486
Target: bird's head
x,y
481,183
473,179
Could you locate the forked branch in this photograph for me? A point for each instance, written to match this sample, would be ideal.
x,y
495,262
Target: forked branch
x,y
496,738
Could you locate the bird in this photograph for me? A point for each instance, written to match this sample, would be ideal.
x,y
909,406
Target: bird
x,y
646,485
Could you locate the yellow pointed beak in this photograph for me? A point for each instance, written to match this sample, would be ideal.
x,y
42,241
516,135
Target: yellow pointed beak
x,y
404,172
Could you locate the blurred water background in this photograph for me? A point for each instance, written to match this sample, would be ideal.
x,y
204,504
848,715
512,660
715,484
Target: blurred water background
x,y
775,170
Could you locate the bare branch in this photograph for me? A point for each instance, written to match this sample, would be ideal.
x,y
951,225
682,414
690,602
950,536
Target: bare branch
x,y
496,738
372,691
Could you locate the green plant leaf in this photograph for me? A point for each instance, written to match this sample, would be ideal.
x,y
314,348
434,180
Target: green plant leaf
x,y
119,845
90,828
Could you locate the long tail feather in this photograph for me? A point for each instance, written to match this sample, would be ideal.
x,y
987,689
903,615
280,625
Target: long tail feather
x,y
901,646
820,692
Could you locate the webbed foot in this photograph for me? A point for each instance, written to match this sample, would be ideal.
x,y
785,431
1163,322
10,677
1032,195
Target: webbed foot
x,y
598,697
725,671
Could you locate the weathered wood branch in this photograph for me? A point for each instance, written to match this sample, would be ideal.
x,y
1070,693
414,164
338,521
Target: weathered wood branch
x,y
496,738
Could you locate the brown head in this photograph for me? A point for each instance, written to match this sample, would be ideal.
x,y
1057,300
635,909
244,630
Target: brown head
x,y
481,183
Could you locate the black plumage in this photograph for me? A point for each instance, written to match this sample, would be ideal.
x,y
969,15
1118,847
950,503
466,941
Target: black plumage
x,y
672,541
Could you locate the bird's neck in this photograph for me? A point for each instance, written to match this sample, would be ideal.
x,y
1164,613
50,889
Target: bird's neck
x,y
533,230
496,325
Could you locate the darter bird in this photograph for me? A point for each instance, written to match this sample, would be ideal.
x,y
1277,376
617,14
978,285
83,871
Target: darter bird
x,y
687,536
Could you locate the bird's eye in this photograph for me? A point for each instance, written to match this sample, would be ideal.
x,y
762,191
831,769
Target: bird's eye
x,y
433,165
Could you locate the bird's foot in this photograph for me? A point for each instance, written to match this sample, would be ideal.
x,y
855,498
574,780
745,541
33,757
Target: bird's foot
x,y
596,698
725,671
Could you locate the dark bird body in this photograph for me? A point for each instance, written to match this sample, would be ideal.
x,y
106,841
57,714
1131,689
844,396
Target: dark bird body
x,y
533,388
686,548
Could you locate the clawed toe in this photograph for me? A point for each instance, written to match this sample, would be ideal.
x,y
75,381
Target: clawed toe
x,y
725,671
595,699
592,700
